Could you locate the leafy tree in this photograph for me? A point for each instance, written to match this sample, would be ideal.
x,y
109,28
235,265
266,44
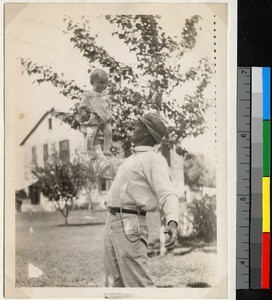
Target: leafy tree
x,y
198,172
146,85
62,181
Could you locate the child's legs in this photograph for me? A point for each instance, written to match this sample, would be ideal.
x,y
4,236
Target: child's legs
x,y
91,137
107,130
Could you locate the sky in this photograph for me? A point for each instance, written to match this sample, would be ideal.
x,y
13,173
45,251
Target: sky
x,y
35,31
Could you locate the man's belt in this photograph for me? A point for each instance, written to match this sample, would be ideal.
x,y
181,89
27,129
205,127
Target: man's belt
x,y
114,210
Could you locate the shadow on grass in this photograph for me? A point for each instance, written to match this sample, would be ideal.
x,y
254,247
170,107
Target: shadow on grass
x,y
185,245
184,252
194,241
82,224
206,249
198,285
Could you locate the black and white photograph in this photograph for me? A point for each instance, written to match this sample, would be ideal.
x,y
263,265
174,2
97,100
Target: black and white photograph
x,y
116,121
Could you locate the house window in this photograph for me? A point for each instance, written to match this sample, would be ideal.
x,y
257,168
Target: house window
x,y
103,185
34,154
34,194
64,151
50,123
45,152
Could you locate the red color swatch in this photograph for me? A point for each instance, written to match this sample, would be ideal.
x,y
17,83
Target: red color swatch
x,y
266,261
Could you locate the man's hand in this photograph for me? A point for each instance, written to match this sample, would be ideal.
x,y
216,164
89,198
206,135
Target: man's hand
x,y
172,230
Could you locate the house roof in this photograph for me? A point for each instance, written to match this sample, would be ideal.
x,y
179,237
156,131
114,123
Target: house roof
x,y
35,127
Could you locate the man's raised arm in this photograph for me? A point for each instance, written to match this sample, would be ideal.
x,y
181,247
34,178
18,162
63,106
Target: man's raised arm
x,y
104,166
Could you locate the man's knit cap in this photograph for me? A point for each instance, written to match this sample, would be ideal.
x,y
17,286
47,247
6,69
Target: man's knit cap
x,y
155,125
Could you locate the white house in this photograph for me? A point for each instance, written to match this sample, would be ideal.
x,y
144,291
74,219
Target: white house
x,y
48,135
51,133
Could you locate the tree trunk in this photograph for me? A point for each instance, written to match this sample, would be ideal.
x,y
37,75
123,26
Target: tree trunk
x,y
66,220
89,198
65,213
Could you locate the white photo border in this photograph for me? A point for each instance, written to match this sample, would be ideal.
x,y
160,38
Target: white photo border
x,y
228,146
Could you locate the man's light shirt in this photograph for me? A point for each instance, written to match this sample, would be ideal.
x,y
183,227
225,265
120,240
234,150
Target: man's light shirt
x,y
140,181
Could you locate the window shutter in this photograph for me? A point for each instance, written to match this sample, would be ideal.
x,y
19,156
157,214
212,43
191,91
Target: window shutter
x,y
64,152
45,152
34,154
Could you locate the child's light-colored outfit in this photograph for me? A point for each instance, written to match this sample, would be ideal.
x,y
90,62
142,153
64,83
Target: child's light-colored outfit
x,y
100,117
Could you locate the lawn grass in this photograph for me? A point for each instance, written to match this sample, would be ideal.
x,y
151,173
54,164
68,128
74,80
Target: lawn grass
x,y
73,256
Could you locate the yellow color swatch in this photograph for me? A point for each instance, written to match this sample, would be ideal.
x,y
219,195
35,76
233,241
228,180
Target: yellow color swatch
x,y
266,204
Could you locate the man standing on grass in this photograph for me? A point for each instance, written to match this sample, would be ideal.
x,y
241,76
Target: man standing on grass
x,y
141,184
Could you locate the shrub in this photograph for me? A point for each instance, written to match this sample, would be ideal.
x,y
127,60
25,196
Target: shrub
x,y
81,206
203,214
199,172
20,195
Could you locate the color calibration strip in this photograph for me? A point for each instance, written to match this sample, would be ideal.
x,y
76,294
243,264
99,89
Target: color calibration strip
x,y
265,280
253,239
260,179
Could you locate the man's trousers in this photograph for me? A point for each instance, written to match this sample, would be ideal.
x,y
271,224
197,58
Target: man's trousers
x,y
125,251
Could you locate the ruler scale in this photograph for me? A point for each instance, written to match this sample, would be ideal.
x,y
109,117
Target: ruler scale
x,y
243,178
